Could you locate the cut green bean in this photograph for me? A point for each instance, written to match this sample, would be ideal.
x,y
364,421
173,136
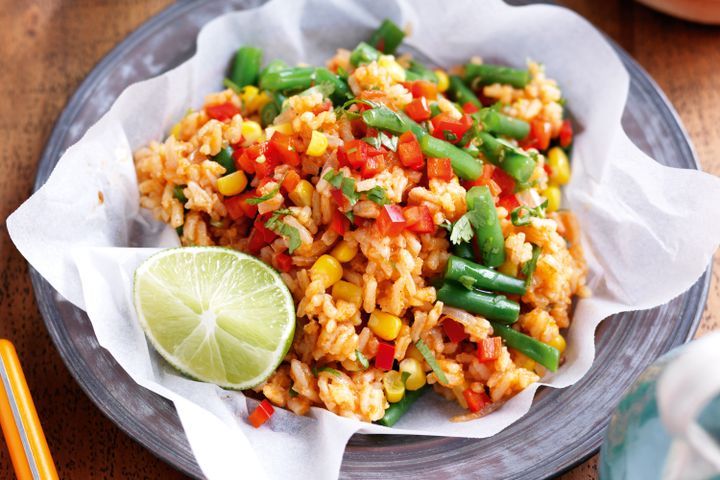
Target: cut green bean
x,y
341,92
272,109
179,194
246,67
544,354
516,163
387,37
289,79
418,71
485,74
461,93
464,250
483,278
272,67
492,307
398,123
464,165
364,53
484,220
396,410
225,158
500,124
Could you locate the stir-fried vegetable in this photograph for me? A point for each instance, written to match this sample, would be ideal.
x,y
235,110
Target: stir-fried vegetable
x,y
492,307
485,74
544,354
397,410
387,37
484,220
518,164
483,278
246,67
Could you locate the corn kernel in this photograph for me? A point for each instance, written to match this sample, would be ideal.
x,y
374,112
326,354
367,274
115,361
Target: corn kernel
x,y
302,194
327,269
393,386
443,80
554,197
558,341
285,128
257,102
559,166
232,184
175,132
416,379
414,353
523,361
318,144
508,268
248,95
384,325
251,132
344,251
347,291
393,68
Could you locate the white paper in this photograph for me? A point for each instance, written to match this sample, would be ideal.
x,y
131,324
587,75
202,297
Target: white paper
x,y
649,230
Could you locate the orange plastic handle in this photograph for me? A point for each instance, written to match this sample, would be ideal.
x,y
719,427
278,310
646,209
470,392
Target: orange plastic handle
x,y
24,436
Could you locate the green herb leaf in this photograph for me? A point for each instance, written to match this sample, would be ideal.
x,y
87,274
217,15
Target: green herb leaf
x,y
333,178
450,136
342,73
362,359
227,83
462,230
430,359
179,194
372,141
267,196
292,235
389,142
378,195
447,225
345,184
293,393
467,281
331,371
528,268
522,215
314,371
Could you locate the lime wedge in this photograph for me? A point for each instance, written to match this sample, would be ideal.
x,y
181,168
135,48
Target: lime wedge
x,y
215,314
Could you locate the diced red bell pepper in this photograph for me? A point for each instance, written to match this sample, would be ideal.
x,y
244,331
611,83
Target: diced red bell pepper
x,y
422,88
419,219
469,107
255,242
282,150
261,414
508,202
475,400
339,223
223,111
539,136
292,178
409,151
450,129
267,234
391,221
342,157
418,110
356,152
455,331
504,181
566,133
384,356
342,202
547,168
374,164
237,206
489,349
243,162
267,165
284,262
483,179
439,168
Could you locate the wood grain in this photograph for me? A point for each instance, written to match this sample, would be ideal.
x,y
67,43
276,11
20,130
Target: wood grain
x,y
48,47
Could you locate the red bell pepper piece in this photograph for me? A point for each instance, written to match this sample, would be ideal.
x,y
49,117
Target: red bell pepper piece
x,y
455,331
339,223
255,242
439,168
261,414
223,111
243,161
284,262
489,349
469,107
384,356
504,181
508,202
422,88
292,178
409,151
566,133
419,219
418,110
342,202
282,150
374,164
356,152
267,234
342,156
475,400
391,220
450,129
483,179
237,207
539,136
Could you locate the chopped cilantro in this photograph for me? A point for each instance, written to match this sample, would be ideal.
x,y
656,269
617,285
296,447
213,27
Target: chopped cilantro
x,y
462,230
276,224
267,196
528,268
378,195
362,359
522,214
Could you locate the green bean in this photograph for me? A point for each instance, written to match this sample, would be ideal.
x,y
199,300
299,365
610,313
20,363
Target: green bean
x,y
485,74
544,354
179,194
387,37
464,165
246,67
418,71
516,163
462,93
464,250
492,307
398,123
483,278
225,158
289,79
364,53
397,410
272,109
499,124
272,67
341,91
484,220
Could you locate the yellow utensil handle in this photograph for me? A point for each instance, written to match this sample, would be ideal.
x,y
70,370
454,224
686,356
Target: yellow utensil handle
x,y
24,436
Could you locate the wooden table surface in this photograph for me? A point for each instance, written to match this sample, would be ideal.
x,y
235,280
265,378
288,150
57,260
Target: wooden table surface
x,y
48,47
